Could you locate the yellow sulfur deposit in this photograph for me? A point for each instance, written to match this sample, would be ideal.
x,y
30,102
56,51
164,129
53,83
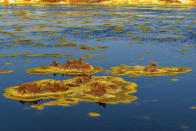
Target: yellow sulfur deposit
x,y
3,71
94,114
104,89
75,67
53,70
136,71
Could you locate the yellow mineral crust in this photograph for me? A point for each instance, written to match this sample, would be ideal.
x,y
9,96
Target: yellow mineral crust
x,y
94,114
3,71
54,70
75,94
137,71
75,67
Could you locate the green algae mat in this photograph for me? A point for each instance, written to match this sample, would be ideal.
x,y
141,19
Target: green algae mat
x,y
79,93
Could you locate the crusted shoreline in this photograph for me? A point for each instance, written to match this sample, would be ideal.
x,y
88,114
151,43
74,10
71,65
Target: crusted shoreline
x,y
104,89
75,67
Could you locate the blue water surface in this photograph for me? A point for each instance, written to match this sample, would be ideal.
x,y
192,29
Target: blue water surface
x,y
128,31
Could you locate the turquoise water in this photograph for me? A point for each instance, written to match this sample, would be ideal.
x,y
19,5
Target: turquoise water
x,y
128,32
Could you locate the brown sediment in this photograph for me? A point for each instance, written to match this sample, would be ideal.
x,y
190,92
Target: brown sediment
x,y
56,86
54,63
34,88
103,89
98,89
73,65
151,68
84,78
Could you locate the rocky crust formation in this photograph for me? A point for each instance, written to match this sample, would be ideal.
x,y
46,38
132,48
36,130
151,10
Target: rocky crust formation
x,y
99,89
75,67
78,65
35,88
150,70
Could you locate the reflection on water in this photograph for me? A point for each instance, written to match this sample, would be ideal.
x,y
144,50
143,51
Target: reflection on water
x,y
132,2
105,36
39,101
55,75
101,104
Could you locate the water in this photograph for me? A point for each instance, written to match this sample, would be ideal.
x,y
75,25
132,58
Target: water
x,y
162,104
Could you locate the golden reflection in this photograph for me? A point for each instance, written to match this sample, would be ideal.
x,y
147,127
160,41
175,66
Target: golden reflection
x,y
87,88
114,2
151,70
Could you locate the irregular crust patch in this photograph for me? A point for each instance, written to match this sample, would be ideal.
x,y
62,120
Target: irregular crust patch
x,y
136,71
77,93
75,67
54,70
94,114
3,71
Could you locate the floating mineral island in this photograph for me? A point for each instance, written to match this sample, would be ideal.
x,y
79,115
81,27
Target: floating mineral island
x,y
75,67
85,87
150,70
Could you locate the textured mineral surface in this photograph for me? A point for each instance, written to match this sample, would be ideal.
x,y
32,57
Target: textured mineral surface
x,y
75,67
104,89
151,70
